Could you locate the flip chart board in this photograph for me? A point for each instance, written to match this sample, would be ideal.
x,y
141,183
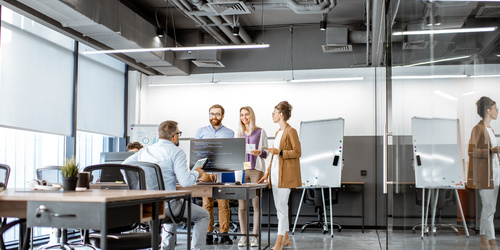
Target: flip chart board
x,y
322,148
436,153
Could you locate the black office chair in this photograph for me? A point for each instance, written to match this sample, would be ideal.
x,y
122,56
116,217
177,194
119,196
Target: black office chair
x,y
313,197
120,237
4,225
446,198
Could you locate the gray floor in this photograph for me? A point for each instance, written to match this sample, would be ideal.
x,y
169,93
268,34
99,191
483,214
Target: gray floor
x,y
371,239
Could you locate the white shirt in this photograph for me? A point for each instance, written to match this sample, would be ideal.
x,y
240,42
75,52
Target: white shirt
x,y
275,165
495,162
172,161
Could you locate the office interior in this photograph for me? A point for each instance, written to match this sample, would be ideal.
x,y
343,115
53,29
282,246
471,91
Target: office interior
x,y
57,102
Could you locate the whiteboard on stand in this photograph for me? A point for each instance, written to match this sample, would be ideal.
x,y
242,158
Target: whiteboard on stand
x,y
322,149
436,153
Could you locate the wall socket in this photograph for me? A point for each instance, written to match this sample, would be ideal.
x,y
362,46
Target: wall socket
x,y
363,172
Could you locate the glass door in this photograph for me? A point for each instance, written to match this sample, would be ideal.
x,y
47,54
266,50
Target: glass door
x,y
442,58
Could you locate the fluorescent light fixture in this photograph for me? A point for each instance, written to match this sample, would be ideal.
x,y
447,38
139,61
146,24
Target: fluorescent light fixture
x,y
330,79
179,84
469,93
428,77
498,54
444,31
436,61
192,48
447,96
484,76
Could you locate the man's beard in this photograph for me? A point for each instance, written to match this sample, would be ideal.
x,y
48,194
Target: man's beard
x,y
177,143
215,122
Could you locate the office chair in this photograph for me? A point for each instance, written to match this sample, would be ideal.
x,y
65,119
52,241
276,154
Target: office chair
x,y
446,198
53,174
134,177
314,197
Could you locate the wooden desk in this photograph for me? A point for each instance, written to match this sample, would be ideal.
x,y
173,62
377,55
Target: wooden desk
x,y
92,209
235,192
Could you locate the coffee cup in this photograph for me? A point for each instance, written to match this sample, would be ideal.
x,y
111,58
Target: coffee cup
x,y
238,176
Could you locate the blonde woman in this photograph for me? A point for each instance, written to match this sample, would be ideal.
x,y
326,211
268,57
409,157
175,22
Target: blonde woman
x,y
283,173
258,137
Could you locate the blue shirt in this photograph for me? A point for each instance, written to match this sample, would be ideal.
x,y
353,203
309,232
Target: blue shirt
x,y
208,132
172,161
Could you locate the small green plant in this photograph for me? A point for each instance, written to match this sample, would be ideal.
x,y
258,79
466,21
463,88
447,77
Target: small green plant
x,y
70,168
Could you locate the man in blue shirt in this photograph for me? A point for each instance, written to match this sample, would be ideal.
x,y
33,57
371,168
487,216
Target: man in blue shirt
x,y
172,161
216,130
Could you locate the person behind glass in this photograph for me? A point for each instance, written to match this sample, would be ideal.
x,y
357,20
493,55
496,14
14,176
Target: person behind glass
x,y
216,130
283,173
172,161
134,146
258,137
484,169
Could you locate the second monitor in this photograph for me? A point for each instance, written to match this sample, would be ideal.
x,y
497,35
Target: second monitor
x,y
224,154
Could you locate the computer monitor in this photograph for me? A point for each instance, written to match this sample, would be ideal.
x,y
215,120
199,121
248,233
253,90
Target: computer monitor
x,y
224,154
115,157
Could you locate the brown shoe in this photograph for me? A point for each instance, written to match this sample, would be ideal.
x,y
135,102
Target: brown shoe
x,y
286,240
279,243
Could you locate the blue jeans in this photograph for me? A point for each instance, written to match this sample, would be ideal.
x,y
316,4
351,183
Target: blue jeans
x,y
199,216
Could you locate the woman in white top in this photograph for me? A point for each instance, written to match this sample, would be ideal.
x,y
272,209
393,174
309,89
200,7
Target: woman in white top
x,y
484,169
253,136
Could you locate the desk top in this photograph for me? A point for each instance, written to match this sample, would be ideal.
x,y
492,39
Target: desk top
x,y
91,195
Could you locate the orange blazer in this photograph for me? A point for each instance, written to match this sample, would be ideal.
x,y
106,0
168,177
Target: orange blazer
x,y
289,162
480,171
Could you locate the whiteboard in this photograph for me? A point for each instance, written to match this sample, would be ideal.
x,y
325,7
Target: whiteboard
x,y
436,153
144,134
322,148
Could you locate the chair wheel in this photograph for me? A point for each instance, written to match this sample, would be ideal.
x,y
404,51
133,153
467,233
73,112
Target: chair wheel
x,y
301,230
325,231
339,230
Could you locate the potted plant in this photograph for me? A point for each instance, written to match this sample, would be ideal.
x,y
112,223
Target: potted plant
x,y
70,174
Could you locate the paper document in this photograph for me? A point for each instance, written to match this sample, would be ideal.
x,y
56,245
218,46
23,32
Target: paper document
x,y
250,148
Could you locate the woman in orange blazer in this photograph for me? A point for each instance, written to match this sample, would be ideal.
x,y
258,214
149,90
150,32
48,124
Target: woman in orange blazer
x,y
284,171
484,169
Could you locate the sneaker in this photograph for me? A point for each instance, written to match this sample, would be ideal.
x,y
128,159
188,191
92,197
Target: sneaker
x,y
254,242
242,242
210,239
226,240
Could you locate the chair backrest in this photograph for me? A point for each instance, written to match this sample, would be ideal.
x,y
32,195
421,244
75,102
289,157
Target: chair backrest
x,y
4,174
154,177
133,176
314,197
51,174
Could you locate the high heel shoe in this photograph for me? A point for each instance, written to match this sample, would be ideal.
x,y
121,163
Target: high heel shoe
x,y
493,245
286,240
483,243
279,243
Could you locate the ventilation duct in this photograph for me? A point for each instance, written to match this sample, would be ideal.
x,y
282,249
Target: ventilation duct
x,y
229,7
337,40
208,58
113,24
490,10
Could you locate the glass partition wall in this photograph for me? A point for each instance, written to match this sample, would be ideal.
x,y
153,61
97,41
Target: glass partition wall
x,y
443,56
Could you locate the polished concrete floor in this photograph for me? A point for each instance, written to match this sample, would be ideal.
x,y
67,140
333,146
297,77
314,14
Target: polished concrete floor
x,y
371,239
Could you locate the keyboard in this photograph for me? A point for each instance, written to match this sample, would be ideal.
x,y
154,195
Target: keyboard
x,y
209,183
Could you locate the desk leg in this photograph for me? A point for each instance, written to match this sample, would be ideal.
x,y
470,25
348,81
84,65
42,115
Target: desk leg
x,y
188,200
331,211
268,217
156,226
363,208
104,227
298,211
260,218
248,217
462,214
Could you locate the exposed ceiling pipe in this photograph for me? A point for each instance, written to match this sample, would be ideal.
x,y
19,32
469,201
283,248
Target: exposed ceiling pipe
x,y
310,7
218,21
184,7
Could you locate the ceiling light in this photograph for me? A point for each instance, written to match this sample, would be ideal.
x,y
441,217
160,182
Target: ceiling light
x,y
191,48
428,77
322,25
436,61
160,32
437,20
236,31
330,79
444,31
484,76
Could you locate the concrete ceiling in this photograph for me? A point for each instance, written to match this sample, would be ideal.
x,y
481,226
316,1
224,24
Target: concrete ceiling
x,y
291,27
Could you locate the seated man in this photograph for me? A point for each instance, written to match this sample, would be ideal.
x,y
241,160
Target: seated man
x,y
172,161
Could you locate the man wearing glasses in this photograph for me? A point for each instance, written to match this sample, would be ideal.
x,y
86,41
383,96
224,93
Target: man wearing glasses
x,y
216,130
172,161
